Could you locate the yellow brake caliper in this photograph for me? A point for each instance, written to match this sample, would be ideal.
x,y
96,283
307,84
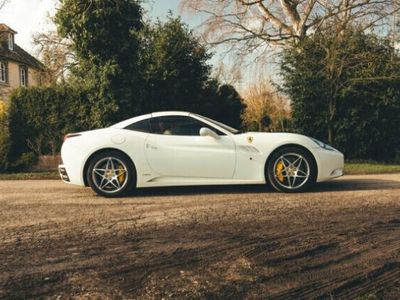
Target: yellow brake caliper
x,y
121,178
279,168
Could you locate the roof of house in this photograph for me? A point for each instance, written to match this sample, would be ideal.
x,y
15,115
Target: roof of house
x,y
18,54
4,27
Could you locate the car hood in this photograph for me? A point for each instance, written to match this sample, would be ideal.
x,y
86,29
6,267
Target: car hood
x,y
262,140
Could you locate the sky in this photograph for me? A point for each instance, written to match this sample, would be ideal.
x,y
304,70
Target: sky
x,y
28,17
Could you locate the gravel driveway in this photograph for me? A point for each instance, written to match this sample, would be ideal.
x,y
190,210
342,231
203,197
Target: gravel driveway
x,y
340,241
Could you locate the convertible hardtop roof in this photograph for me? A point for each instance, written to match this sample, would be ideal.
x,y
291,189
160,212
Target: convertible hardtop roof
x,y
127,122
222,127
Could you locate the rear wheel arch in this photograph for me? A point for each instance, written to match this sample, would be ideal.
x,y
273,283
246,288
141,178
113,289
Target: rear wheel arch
x,y
94,154
288,146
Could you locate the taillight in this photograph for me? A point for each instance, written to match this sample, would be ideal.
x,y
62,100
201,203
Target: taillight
x,y
71,135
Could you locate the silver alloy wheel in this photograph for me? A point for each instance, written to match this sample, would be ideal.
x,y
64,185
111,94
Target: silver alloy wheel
x,y
110,175
291,170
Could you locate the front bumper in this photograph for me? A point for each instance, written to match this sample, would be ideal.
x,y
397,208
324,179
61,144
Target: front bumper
x,y
330,164
63,173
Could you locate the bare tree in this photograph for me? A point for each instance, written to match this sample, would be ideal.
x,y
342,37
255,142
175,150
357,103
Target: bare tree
x,y
263,101
227,74
250,24
55,53
3,3
36,144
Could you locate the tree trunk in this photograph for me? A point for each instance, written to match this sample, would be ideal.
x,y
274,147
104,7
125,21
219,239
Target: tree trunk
x,y
330,133
332,113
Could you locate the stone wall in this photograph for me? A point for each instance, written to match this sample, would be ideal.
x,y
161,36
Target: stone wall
x,y
14,80
5,91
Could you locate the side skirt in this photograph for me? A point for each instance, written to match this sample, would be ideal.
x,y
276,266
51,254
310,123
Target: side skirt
x,y
190,181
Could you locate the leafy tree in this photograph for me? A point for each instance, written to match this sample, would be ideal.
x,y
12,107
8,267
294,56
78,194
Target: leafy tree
x,y
105,40
177,74
175,66
130,68
345,90
222,103
369,126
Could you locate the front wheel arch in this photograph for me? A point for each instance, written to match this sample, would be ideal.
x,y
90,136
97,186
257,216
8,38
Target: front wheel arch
x,y
285,146
87,163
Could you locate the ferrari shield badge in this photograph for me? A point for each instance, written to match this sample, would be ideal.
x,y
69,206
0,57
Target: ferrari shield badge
x,y
250,139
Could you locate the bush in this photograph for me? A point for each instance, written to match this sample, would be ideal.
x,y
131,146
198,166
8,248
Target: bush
x,y
345,91
39,117
25,162
4,138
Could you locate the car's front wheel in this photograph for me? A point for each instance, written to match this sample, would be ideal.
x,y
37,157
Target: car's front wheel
x,y
291,169
111,174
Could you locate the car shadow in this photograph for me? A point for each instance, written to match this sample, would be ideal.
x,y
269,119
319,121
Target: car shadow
x,y
343,184
349,184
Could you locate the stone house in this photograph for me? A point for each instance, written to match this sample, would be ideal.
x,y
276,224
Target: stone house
x,y
17,67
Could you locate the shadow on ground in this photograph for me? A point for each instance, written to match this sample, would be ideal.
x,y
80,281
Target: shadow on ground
x,y
329,186
357,185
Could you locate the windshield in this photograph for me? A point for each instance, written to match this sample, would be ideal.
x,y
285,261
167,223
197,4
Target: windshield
x,y
226,127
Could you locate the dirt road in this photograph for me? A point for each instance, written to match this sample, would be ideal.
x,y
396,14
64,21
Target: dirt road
x,y
340,241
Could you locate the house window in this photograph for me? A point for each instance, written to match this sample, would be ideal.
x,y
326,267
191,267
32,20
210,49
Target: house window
x,y
10,41
23,75
3,72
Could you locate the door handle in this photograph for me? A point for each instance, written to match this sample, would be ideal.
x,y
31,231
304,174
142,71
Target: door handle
x,y
151,147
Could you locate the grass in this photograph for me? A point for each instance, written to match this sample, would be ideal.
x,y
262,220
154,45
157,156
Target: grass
x,y
30,175
351,168
361,168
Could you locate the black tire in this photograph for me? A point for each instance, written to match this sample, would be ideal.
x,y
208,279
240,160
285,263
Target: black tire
x,y
124,163
280,179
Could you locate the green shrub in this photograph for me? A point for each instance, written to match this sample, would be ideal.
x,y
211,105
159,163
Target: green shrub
x,y
25,162
4,138
346,91
39,117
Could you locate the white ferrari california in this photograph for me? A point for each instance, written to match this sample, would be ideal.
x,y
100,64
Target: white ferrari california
x,y
182,148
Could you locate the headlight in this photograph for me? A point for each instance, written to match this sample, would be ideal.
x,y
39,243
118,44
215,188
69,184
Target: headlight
x,y
323,145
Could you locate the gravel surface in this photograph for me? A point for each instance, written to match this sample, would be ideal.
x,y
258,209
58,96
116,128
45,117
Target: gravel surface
x,y
342,240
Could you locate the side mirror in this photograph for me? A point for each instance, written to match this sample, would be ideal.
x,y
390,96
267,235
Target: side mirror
x,y
204,131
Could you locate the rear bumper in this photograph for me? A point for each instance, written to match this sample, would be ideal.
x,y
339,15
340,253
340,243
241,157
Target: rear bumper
x,y
63,173
73,161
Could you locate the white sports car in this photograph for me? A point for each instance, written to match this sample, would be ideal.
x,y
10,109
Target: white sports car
x,y
182,148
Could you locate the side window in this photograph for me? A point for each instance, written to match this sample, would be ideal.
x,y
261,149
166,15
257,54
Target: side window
x,y
142,126
11,41
23,75
3,72
178,125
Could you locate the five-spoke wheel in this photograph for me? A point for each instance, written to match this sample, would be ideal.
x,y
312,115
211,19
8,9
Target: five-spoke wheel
x,y
111,174
291,169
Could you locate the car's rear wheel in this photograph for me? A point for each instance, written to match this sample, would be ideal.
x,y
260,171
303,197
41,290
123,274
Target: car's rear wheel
x,y
111,174
291,169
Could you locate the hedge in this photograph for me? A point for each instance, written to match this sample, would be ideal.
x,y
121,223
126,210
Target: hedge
x,y
4,137
38,118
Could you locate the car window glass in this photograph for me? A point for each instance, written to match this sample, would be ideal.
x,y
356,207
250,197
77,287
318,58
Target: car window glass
x,y
178,125
142,126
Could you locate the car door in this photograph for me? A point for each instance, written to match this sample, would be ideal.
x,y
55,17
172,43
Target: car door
x,y
174,148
